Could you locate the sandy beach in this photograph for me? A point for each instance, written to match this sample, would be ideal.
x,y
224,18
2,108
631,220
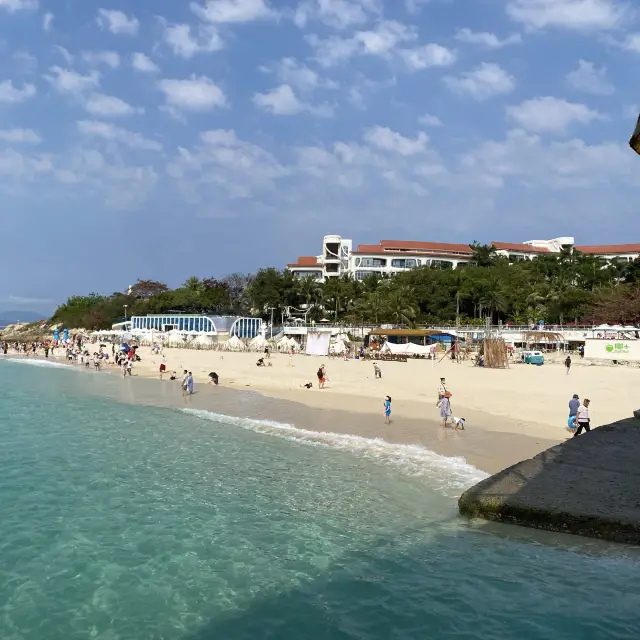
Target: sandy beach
x,y
511,414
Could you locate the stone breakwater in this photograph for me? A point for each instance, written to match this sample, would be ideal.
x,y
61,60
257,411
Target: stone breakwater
x,y
587,486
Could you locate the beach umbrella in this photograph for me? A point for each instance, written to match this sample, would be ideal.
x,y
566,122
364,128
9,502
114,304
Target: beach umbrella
x,y
634,143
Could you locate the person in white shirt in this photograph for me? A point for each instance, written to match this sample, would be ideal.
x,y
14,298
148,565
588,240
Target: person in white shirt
x,y
583,418
458,423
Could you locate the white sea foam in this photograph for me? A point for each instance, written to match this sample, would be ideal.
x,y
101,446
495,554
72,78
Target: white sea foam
x,y
41,363
449,475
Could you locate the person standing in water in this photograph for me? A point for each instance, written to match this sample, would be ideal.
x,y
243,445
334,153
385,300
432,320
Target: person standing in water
x,y
387,410
190,383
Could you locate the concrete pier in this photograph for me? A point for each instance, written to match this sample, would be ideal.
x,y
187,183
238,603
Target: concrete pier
x,y
587,486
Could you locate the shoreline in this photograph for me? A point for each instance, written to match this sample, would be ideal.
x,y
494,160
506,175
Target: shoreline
x,y
487,448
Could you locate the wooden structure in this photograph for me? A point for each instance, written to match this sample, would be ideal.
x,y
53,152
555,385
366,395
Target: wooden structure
x,y
543,337
421,337
494,353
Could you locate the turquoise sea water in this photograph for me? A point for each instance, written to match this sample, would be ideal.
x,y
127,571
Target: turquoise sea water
x,y
126,522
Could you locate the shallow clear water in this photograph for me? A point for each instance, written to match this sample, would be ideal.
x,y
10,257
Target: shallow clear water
x,y
128,522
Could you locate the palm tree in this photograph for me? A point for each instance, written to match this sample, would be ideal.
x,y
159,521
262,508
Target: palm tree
x,y
193,284
399,305
309,290
493,298
484,255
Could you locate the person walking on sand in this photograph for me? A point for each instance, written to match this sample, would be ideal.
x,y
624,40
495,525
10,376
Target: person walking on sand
x,y
322,376
185,378
567,364
387,410
574,404
445,409
190,383
583,418
377,373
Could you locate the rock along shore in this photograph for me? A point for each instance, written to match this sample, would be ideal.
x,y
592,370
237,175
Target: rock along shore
x,y
587,486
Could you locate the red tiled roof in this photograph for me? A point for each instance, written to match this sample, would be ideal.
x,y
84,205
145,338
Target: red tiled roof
x,y
369,248
305,261
410,245
408,254
609,249
524,248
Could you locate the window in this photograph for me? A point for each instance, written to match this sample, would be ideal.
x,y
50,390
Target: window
x,y
441,264
361,275
405,263
373,262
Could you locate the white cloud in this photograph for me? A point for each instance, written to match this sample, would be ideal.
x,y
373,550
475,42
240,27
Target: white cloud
x,y
292,72
24,136
196,93
549,114
143,63
113,133
47,21
186,43
28,301
485,81
430,121
222,162
108,58
590,79
339,14
380,41
583,15
10,94
385,139
68,81
233,11
101,105
429,55
486,38
282,101
65,53
13,6
570,164
118,22
632,43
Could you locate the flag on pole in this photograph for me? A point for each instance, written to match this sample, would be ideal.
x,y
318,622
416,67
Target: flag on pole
x,y
634,143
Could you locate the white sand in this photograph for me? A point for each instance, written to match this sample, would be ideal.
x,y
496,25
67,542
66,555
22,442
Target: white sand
x,y
523,399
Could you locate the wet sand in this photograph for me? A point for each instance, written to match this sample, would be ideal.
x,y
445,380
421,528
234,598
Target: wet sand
x,y
479,444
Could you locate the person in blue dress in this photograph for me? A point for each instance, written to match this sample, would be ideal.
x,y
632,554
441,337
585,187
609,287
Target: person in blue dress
x,y
190,383
387,409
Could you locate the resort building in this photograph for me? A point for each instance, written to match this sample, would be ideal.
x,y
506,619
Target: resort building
x,y
394,256
197,324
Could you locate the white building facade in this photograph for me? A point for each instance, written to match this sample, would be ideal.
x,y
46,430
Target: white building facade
x,y
389,257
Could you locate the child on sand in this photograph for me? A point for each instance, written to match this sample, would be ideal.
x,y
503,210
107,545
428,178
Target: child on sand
x,y
387,410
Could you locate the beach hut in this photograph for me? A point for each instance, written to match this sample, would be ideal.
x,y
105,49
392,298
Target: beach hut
x,y
233,344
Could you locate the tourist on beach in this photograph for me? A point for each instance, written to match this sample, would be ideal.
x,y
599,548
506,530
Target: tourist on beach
x,y
185,379
574,403
163,368
213,378
583,417
322,376
442,388
387,409
190,383
458,423
376,371
445,409
567,364
128,367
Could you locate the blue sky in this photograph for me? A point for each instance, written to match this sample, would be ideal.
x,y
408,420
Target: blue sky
x,y
163,139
